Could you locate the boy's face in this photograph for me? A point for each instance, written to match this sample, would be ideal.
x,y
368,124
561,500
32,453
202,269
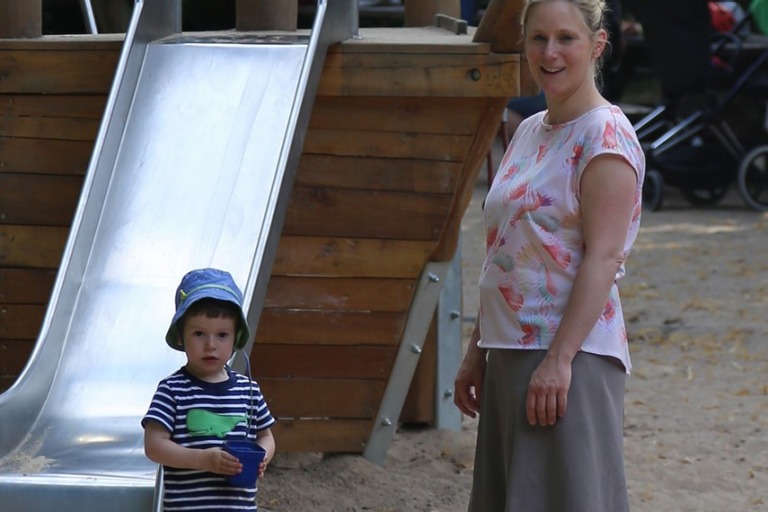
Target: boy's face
x,y
208,343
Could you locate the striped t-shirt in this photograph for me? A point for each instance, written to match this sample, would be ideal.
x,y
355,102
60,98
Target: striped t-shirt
x,y
217,408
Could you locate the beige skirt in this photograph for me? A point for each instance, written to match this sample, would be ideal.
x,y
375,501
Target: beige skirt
x,y
577,465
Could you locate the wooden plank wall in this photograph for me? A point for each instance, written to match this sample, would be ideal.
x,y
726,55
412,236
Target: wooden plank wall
x,y
51,100
387,170
389,162
376,199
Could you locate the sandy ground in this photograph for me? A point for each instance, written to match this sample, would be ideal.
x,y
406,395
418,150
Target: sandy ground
x,y
696,301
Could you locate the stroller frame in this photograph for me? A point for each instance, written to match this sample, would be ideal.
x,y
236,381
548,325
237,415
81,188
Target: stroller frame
x,y
700,154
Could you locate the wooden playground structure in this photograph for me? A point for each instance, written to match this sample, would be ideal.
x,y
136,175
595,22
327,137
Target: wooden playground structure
x,y
402,122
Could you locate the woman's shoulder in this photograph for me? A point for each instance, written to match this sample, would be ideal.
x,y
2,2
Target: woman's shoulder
x,y
610,124
606,114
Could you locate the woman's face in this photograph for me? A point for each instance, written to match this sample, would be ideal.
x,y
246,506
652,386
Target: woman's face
x,y
560,49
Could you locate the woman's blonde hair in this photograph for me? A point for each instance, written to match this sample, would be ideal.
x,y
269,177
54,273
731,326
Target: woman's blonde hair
x,y
591,10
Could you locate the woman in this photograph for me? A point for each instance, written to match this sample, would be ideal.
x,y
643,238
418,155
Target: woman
x,y
548,358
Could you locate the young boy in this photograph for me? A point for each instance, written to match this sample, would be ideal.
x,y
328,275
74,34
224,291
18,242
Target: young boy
x,y
205,403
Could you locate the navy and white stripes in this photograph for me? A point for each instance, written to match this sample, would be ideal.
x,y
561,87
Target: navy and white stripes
x,y
235,399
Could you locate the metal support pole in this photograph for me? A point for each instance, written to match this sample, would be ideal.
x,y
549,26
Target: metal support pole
x,y
416,329
449,347
89,17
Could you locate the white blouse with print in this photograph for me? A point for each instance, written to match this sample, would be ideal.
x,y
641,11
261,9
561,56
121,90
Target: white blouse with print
x,y
534,237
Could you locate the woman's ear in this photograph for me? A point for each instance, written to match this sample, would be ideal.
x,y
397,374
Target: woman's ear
x,y
601,40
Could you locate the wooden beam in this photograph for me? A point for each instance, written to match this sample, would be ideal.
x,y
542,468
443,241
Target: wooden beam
x,y
31,246
421,13
13,358
486,132
528,86
47,200
350,257
56,128
26,285
81,106
305,327
321,435
20,321
21,18
403,145
501,27
44,156
267,14
378,173
419,406
391,114
57,72
399,74
332,398
451,24
315,361
393,215
334,294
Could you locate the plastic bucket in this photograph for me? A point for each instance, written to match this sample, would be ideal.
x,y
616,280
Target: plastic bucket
x,y
250,456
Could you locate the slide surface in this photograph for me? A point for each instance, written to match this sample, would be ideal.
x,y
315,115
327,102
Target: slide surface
x,y
190,170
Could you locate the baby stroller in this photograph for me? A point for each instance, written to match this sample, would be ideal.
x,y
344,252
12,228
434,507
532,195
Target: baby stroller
x,y
688,143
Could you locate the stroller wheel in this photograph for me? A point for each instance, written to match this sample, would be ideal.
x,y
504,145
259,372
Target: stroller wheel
x,y
753,178
653,190
705,196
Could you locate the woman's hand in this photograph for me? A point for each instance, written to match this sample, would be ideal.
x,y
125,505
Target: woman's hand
x,y
547,397
468,383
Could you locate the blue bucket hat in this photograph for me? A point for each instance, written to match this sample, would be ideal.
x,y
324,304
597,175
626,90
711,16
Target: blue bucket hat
x,y
206,283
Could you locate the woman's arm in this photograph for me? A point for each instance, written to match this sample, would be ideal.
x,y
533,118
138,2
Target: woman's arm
x,y
608,188
468,384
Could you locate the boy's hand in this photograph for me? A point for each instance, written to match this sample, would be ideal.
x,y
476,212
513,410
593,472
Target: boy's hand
x,y
218,461
263,468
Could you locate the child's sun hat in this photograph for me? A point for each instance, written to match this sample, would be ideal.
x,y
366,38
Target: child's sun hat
x,y
206,283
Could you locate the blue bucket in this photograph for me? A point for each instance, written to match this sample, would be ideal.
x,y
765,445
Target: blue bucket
x,y
250,456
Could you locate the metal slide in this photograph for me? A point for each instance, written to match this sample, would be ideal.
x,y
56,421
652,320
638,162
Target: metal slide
x,y
192,167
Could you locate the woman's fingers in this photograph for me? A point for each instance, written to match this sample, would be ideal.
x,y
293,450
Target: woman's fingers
x,y
468,384
466,399
547,398
544,406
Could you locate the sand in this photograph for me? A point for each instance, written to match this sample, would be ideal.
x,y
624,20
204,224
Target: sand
x,y
696,431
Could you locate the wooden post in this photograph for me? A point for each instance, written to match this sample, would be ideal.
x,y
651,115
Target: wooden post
x,y
21,18
267,14
421,13
500,26
419,405
528,87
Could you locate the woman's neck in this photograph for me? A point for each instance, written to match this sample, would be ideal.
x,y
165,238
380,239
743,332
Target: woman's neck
x,y
563,110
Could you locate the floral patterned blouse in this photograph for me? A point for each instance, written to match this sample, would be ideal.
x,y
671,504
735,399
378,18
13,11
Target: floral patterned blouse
x,y
534,239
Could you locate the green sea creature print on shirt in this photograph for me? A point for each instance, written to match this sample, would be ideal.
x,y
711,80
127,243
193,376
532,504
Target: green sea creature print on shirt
x,y
205,423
